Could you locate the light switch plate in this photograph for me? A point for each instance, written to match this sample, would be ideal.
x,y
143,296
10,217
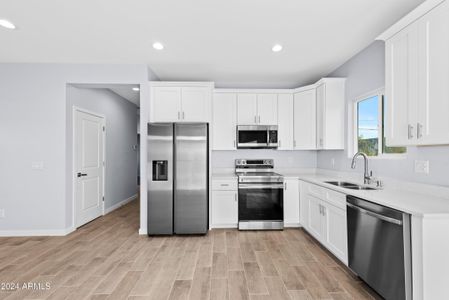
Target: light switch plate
x,y
422,166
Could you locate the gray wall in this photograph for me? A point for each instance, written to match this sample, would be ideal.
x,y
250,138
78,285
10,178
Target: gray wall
x,y
121,136
282,159
33,127
365,72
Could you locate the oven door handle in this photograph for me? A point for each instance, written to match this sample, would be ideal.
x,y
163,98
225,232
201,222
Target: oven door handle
x,y
260,186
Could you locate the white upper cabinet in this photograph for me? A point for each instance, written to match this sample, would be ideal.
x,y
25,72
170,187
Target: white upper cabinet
x,y
433,80
224,121
256,109
305,120
417,77
180,101
401,97
196,104
285,121
247,109
165,104
330,97
267,109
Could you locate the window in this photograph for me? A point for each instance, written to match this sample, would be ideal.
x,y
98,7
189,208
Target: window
x,y
369,127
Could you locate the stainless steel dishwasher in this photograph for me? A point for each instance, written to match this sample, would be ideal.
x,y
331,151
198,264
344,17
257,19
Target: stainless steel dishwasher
x,y
379,247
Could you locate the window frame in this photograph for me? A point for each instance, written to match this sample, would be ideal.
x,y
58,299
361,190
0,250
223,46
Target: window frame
x,y
354,145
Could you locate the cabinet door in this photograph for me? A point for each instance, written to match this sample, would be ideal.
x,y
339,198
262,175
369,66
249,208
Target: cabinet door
x,y
247,109
303,205
267,109
165,104
400,88
304,119
320,114
315,217
224,208
336,231
291,202
433,59
224,121
195,104
285,122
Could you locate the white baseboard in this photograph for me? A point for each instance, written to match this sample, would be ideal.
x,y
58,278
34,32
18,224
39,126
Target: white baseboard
x,y
38,232
143,231
292,225
120,204
223,226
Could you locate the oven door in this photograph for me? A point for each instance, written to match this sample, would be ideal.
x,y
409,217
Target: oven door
x,y
252,137
261,202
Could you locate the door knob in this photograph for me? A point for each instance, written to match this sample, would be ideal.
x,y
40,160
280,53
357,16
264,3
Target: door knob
x,y
81,174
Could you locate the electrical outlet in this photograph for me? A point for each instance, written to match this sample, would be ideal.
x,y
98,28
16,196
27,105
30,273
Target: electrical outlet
x,y
2,213
422,166
37,165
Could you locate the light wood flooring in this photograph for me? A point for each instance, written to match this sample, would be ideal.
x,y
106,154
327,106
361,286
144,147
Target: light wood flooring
x,y
107,259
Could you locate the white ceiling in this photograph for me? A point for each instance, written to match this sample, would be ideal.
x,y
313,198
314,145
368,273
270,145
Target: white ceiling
x,y
126,91
123,90
226,41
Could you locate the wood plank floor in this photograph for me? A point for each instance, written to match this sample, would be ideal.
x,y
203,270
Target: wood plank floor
x,y
107,259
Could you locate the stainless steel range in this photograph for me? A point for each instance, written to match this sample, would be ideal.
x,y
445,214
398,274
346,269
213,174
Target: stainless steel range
x,y
261,198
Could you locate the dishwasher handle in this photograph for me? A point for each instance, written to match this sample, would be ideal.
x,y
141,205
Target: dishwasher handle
x,y
375,215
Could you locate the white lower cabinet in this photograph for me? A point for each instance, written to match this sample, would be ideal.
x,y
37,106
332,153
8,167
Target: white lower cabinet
x,y
324,217
336,231
224,204
291,202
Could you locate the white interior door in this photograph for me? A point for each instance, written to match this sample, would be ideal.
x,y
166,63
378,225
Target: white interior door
x,y
89,152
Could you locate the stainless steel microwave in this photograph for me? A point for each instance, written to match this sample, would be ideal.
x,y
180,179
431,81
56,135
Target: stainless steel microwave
x,y
257,136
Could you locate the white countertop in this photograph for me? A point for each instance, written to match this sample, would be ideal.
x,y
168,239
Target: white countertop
x,y
416,199
412,202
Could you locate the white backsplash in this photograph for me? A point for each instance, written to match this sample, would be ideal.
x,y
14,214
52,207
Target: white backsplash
x,y
282,159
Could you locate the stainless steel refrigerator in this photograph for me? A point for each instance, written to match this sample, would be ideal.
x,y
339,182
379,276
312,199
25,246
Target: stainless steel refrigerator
x,y
178,180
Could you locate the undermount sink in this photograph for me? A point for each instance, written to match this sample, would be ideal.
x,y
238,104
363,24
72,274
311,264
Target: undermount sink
x,y
349,185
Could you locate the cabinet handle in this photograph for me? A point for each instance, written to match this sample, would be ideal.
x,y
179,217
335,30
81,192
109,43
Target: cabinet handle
x,y
179,115
410,131
183,115
224,184
324,211
285,185
321,210
255,119
321,142
259,119
419,131
294,144
234,143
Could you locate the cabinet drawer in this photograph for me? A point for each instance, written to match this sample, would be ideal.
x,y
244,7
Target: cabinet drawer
x,y
224,185
335,198
316,191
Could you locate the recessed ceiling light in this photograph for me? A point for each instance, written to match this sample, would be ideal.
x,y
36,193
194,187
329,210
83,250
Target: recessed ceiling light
x,y
7,24
158,46
136,89
276,48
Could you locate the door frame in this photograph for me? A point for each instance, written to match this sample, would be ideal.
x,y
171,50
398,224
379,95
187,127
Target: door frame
x,y
83,110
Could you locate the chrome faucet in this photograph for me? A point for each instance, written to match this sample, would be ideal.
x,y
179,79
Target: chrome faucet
x,y
367,176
